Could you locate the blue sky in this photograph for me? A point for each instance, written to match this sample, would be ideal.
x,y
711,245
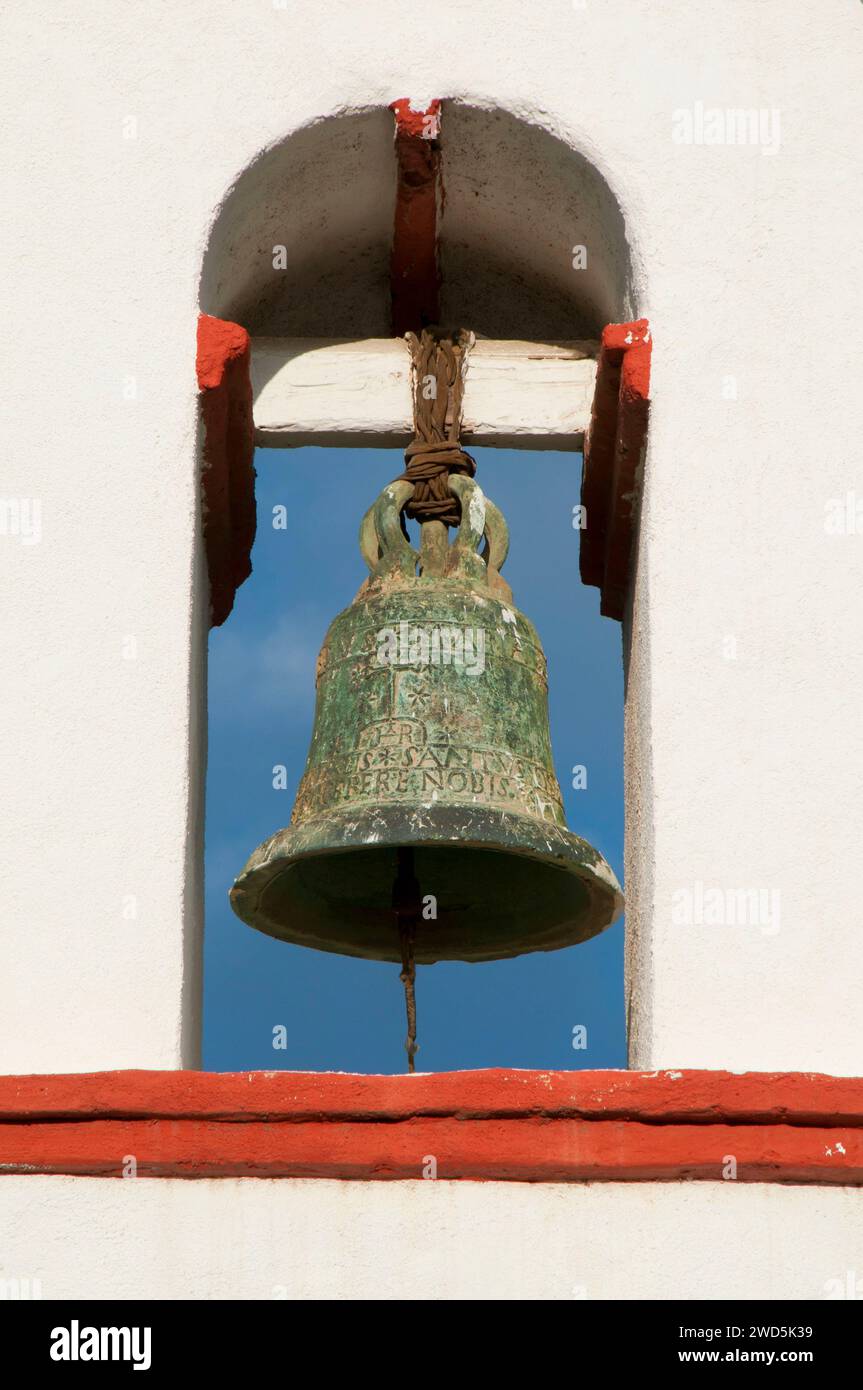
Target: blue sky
x,y
342,1014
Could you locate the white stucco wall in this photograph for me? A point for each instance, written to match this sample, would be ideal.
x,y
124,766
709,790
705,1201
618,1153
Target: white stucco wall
x,y
251,1238
123,128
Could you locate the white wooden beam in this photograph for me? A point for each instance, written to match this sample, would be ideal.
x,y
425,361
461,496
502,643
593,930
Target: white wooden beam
x,y
349,392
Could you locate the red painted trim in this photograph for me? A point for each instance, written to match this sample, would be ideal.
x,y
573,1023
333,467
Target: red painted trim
x,y
414,269
612,456
486,1125
223,359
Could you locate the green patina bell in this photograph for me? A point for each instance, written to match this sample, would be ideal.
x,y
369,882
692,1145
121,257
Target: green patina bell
x,y
430,769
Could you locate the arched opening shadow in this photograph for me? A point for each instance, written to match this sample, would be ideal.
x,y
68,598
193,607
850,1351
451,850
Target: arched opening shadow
x,y
516,202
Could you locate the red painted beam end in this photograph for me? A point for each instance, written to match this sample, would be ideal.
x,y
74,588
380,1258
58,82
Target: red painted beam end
x,y
414,268
228,481
613,454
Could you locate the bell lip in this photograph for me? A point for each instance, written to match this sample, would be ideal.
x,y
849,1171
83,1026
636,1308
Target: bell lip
x,y
542,841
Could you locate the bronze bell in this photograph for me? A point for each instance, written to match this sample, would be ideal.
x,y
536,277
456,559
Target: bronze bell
x,y
430,768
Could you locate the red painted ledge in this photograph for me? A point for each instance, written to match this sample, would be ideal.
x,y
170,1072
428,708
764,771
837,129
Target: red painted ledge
x,y
228,483
612,458
587,1126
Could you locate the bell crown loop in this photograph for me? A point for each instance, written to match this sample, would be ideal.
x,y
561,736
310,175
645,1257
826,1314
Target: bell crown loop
x,y
389,554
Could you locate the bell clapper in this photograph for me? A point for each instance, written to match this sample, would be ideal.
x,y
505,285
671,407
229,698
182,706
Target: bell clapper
x,y
407,905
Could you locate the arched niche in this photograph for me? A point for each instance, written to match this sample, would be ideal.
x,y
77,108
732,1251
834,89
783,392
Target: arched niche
x,y
514,201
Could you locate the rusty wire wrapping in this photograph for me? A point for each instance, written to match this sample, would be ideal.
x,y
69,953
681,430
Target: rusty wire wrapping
x,y
439,360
